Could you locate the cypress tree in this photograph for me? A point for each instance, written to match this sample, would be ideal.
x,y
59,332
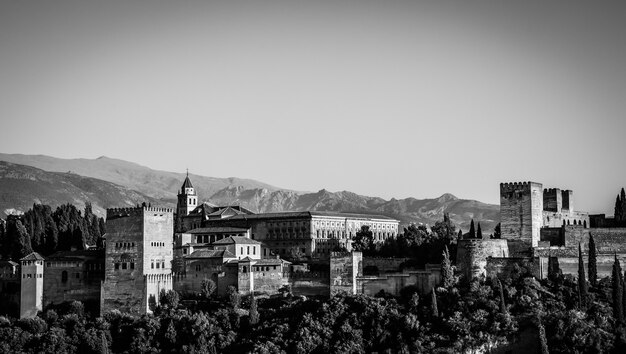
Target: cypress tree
x,y
592,265
502,303
460,235
479,232
582,282
433,304
619,211
472,232
618,292
447,273
622,196
543,339
554,270
254,311
497,232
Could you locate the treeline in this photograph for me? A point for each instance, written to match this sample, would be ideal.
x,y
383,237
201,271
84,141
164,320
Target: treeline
x,y
460,316
45,231
416,242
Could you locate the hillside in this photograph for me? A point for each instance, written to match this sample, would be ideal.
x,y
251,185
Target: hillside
x,y
111,182
158,184
22,186
427,211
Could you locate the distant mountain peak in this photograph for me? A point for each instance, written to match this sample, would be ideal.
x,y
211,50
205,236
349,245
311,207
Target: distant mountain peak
x,y
447,197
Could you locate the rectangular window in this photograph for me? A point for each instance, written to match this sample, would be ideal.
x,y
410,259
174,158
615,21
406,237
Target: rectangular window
x,y
163,265
253,250
247,249
242,250
152,265
117,266
124,265
132,265
77,275
28,275
158,265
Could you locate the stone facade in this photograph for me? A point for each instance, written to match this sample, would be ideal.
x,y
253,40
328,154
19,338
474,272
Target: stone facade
x,y
73,275
31,287
521,215
139,255
472,255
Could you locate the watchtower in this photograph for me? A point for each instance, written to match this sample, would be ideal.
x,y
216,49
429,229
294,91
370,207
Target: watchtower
x,y
187,201
31,285
138,261
521,215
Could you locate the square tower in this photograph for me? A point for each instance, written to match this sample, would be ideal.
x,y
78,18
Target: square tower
x,y
138,260
31,295
521,215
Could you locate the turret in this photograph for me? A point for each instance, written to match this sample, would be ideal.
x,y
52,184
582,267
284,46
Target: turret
x,y
187,201
31,285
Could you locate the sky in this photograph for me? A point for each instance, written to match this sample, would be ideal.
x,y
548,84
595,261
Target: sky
x,y
386,98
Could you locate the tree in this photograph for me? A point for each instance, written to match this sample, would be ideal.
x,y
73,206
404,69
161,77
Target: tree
x,y
460,235
502,303
254,311
542,339
17,239
554,271
363,240
208,288
433,304
169,299
233,297
447,271
582,282
479,232
618,290
472,231
592,265
497,232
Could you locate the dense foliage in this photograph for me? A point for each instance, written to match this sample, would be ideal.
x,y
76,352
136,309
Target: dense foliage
x,y
46,231
460,317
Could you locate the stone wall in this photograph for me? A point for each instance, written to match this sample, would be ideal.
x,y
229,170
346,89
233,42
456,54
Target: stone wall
x,y
521,214
74,279
504,267
382,265
472,254
424,280
309,283
554,235
139,244
345,267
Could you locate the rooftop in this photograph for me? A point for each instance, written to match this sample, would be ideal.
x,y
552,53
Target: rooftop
x,y
309,214
33,256
211,254
216,229
237,240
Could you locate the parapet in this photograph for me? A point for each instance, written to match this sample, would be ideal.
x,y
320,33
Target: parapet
x,y
518,186
113,213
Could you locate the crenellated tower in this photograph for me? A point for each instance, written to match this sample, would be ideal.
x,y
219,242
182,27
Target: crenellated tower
x,y
187,201
521,215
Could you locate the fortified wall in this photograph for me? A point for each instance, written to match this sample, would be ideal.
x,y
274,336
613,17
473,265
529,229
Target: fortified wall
x,y
521,215
472,255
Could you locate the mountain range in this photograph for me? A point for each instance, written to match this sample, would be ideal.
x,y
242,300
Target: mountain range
x,y
107,182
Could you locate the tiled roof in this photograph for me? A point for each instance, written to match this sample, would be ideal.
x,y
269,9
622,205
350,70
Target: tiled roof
x,y
217,229
33,256
4,263
211,254
226,211
237,240
270,261
76,254
186,184
309,214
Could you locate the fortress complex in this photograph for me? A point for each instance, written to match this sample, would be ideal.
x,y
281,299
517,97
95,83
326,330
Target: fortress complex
x,y
148,250
313,234
540,227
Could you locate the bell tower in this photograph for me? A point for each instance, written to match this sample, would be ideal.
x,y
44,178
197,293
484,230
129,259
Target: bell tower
x,y
187,201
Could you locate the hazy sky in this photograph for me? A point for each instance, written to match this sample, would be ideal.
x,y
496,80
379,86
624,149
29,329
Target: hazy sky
x,y
383,98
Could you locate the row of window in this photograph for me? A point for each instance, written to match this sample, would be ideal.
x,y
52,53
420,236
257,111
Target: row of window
x,y
157,244
248,250
32,276
159,264
124,265
124,244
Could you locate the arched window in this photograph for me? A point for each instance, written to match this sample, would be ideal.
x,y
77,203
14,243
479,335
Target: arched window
x,y
64,277
245,269
585,224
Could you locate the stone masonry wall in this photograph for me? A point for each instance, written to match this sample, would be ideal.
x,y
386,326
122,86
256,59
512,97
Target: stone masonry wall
x,y
521,214
472,254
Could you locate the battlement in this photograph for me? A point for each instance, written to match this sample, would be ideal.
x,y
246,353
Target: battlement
x,y
518,186
113,213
